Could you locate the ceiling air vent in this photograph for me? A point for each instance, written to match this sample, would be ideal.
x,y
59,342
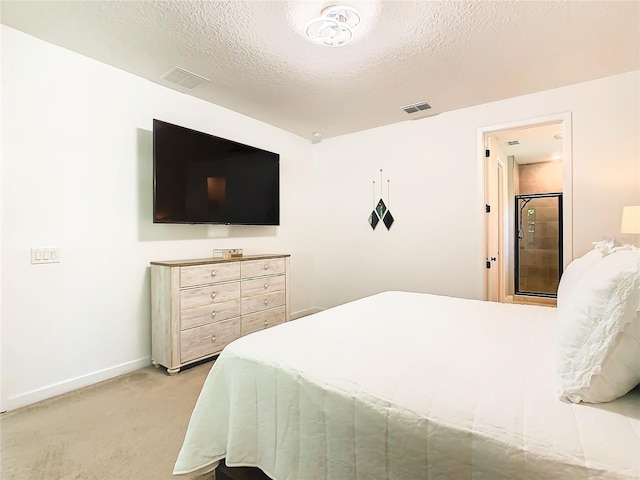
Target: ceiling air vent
x,y
513,142
184,78
416,107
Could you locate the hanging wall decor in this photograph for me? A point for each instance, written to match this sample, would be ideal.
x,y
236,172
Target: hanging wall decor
x,y
381,210
373,217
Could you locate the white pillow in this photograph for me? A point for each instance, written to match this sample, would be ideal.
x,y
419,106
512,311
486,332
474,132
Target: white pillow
x,y
598,342
605,247
578,267
574,272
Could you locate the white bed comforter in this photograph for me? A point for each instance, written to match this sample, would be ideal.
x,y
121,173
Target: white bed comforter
x,y
407,386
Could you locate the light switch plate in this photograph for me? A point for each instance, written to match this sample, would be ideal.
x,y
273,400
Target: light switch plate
x,y
45,255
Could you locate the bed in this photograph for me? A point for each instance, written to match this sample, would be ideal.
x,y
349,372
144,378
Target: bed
x,y
405,386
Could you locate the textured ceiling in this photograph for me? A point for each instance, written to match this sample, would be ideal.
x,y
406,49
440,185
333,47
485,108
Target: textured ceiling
x,y
450,54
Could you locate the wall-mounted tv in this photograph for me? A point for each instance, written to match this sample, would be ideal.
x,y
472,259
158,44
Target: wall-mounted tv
x,y
201,178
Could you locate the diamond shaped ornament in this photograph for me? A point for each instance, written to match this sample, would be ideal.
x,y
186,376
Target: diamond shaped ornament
x,y
381,208
388,219
373,219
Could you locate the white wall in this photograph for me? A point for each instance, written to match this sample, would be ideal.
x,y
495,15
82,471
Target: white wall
x,y
435,244
76,174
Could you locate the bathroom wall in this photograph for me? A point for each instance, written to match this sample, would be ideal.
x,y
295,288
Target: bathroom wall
x,y
541,177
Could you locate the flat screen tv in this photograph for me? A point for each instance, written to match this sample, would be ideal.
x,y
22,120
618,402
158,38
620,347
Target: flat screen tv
x,y
201,178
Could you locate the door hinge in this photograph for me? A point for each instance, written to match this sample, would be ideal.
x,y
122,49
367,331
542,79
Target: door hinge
x,y
487,208
487,153
488,264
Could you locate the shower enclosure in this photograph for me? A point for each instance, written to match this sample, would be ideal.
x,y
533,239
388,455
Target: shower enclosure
x,y
538,242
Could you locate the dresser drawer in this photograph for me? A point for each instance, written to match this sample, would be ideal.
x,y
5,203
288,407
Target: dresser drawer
x,y
219,292
257,268
193,317
262,302
208,339
210,273
261,320
263,285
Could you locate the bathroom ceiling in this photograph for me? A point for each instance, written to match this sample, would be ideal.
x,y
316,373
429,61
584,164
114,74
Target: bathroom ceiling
x,y
533,144
451,54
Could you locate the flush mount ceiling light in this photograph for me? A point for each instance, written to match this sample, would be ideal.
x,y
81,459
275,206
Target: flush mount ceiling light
x,y
335,27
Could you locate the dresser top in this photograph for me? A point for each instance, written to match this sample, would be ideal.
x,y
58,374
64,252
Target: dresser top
x,y
205,261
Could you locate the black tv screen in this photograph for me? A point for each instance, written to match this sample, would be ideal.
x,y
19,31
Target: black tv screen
x,y
201,178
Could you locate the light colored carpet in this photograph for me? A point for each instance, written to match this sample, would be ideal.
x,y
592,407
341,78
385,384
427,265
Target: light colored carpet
x,y
127,428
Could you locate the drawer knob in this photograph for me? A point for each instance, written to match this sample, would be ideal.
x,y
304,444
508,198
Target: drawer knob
x,y
265,285
265,301
266,267
213,314
213,295
213,338
213,273
266,323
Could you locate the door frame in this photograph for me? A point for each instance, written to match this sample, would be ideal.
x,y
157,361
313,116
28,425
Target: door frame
x,y
565,119
503,229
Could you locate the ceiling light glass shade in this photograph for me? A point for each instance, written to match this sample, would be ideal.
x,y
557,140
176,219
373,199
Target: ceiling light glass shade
x,y
329,32
335,27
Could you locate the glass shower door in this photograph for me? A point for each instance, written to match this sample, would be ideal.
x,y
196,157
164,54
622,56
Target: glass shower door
x,y
538,259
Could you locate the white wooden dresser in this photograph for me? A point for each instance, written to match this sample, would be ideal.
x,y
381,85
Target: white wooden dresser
x,y
200,306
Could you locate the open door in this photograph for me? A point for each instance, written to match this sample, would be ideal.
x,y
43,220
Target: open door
x,y
494,178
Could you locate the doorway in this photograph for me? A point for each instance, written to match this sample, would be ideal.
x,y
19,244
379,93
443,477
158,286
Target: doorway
x,y
531,158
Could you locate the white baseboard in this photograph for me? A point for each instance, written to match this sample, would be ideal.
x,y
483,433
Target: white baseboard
x,y
50,391
304,313
66,386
